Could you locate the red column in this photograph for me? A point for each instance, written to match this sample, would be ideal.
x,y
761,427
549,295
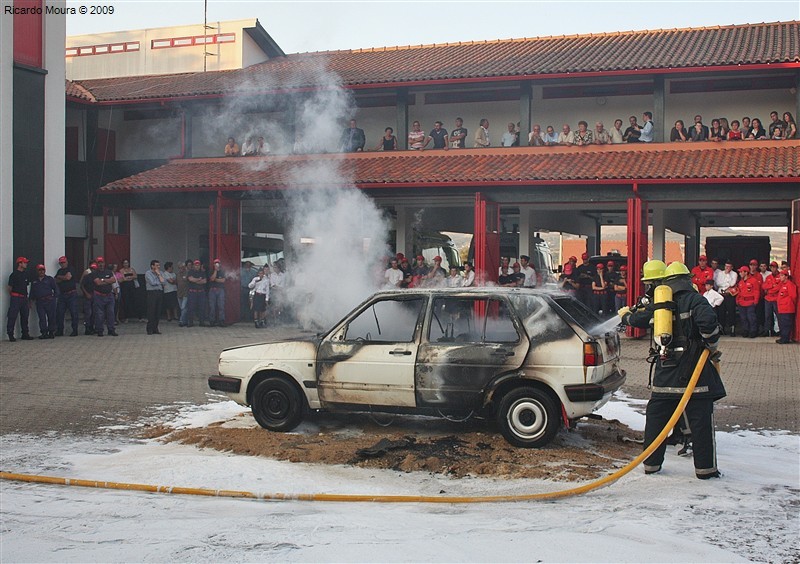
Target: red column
x,y
487,239
637,252
226,244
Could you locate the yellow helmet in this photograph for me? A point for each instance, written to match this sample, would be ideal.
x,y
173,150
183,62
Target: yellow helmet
x,y
676,269
653,270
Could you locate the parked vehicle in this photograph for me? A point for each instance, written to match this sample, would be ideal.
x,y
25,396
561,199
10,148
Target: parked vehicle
x,y
528,359
739,249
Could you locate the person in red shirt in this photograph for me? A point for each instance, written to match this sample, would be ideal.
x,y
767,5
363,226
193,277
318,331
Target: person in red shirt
x,y
701,273
748,291
787,307
769,288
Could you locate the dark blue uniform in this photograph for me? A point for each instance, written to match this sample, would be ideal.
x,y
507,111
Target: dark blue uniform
x,y
67,300
197,296
103,301
45,292
694,326
18,307
87,288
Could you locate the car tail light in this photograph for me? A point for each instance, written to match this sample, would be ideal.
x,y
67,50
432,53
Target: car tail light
x,y
592,355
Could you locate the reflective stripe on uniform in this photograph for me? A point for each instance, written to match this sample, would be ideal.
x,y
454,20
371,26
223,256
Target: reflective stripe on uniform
x,y
709,335
685,315
670,390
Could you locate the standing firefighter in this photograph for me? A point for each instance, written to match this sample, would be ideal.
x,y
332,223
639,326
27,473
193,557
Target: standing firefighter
x,y
677,349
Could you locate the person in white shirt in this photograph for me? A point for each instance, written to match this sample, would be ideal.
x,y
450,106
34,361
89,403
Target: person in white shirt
x,y
454,279
260,286
725,281
393,276
505,267
528,271
469,276
714,298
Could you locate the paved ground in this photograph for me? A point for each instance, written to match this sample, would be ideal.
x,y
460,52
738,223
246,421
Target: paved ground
x,y
83,383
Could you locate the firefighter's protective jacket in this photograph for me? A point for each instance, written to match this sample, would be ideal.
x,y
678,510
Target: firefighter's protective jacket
x,y
694,326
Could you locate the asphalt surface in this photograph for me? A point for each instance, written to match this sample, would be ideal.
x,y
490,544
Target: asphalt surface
x,y
87,384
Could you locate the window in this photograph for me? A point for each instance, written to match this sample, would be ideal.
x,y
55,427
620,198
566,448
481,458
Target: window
x,y
388,321
471,320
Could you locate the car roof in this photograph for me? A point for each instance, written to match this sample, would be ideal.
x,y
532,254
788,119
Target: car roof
x,y
486,290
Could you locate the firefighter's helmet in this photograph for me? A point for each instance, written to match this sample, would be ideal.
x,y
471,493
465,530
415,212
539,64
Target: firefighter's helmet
x,y
676,269
653,270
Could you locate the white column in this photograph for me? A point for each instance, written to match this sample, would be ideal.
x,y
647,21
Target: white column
x,y
54,34
659,233
524,231
6,155
404,231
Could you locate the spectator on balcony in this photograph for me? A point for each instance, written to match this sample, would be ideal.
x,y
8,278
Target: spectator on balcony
x,y
777,133
232,148
583,136
716,133
567,136
482,138
756,131
647,132
535,137
458,136
550,137
699,132
249,147
723,123
699,119
679,133
735,134
353,139
791,126
775,122
388,142
745,127
511,137
262,148
633,132
416,137
601,136
439,136
616,132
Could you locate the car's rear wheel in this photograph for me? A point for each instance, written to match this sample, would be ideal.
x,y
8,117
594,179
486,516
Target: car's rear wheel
x,y
277,404
528,417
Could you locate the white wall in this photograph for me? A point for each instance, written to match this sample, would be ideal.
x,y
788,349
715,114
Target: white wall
x,y
6,155
54,120
158,234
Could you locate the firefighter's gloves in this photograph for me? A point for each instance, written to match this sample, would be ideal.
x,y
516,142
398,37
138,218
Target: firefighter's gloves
x,y
624,314
714,354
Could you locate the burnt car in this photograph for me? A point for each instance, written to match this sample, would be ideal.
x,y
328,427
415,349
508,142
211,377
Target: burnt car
x,y
528,359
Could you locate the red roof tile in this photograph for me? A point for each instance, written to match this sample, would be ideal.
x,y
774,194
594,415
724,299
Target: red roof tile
x,y
525,166
75,90
640,51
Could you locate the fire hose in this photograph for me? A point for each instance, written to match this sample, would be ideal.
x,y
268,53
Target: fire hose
x,y
602,482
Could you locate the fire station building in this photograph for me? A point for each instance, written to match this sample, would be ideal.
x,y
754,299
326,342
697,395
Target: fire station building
x,y
145,151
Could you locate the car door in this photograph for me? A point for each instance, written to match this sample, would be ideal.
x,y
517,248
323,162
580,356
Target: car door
x,y
468,341
369,359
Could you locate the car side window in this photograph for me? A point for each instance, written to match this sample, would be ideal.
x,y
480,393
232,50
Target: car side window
x,y
471,320
387,321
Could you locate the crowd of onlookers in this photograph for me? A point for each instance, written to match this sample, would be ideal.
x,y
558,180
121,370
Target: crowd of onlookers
x,y
763,296
353,138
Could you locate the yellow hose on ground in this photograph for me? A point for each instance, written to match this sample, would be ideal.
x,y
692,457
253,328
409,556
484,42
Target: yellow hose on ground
x,y
606,480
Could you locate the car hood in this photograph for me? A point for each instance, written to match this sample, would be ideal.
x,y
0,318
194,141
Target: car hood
x,y
285,349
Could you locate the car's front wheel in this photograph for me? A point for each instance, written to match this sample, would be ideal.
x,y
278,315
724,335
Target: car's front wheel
x,y
277,404
528,417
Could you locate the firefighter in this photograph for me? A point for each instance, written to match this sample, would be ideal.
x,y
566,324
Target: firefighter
x,y
701,273
693,327
747,292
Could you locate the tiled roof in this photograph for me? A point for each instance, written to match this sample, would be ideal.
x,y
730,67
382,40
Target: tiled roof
x,y
640,51
471,167
75,90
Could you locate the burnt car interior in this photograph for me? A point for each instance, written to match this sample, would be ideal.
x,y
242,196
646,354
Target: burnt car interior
x,y
471,320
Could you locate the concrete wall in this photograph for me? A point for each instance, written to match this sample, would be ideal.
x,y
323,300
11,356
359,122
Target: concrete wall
x,y
162,61
146,138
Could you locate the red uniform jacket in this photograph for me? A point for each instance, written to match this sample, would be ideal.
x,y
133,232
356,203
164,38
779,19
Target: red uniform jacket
x,y
770,288
748,292
699,277
787,297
